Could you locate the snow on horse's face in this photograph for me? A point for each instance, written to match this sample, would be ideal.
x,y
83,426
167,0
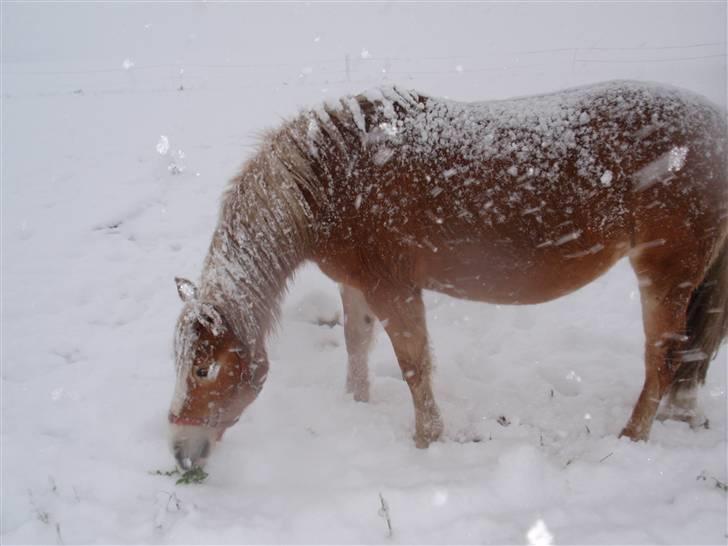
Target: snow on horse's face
x,y
217,378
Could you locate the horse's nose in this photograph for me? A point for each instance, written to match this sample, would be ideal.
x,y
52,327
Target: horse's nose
x,y
191,454
191,447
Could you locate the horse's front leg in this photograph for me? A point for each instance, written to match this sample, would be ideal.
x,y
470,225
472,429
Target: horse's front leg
x,y
358,333
402,313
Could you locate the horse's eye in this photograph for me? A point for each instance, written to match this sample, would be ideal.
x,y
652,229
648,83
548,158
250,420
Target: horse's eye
x,y
201,372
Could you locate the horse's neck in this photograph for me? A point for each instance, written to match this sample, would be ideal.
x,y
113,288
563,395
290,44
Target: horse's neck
x,y
259,242
247,282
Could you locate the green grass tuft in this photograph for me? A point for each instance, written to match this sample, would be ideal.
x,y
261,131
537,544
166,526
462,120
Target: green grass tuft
x,y
194,475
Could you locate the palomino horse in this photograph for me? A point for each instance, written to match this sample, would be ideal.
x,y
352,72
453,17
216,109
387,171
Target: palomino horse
x,y
513,202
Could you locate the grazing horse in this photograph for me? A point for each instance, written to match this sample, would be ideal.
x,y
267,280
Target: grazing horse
x,y
512,202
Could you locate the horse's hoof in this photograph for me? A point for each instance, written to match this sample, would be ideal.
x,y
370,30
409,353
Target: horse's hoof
x,y
361,397
431,433
634,435
359,394
423,440
421,443
359,389
695,418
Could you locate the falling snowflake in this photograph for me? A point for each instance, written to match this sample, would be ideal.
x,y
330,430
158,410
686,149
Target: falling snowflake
x,y
539,535
163,145
440,497
573,376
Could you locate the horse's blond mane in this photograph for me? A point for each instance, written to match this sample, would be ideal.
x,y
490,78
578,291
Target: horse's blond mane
x,y
267,211
263,232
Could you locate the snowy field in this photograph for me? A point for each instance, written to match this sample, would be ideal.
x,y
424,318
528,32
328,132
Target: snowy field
x,y
100,212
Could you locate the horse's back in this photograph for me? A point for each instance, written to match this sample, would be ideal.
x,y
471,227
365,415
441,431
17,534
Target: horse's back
x,y
526,199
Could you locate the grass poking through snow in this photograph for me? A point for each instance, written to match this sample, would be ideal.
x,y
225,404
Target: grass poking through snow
x,y
194,475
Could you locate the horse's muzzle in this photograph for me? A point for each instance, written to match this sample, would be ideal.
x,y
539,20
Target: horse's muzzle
x,y
192,444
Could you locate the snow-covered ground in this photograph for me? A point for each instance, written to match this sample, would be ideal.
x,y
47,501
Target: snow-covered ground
x,y
96,222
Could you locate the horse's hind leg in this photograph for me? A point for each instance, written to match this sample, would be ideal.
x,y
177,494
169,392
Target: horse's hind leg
x,y
707,324
681,402
358,333
666,283
402,313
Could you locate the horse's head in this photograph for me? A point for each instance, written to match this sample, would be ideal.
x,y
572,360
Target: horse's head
x,y
218,375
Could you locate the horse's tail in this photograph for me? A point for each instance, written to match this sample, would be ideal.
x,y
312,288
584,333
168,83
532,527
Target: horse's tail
x,y
707,322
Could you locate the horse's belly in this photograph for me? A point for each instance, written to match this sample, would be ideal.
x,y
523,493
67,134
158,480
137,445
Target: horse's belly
x,y
505,279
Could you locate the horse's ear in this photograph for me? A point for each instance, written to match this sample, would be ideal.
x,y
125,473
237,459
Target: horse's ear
x,y
186,289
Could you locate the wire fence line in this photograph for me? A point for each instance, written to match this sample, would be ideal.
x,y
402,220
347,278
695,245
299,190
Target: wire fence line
x,y
345,72
349,60
658,60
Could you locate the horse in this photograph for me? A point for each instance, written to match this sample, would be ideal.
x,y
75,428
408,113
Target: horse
x,y
519,201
